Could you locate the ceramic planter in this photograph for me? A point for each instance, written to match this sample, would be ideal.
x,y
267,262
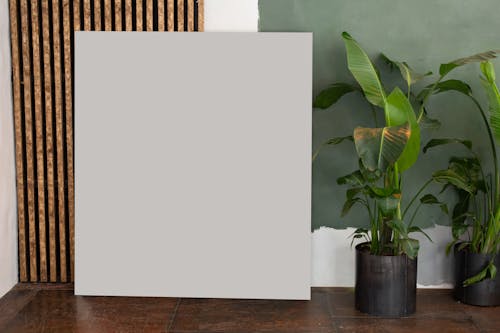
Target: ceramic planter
x,y
468,264
385,285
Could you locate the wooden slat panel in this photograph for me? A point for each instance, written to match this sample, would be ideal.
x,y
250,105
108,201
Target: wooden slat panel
x,y
19,141
190,15
76,14
170,14
87,24
118,15
61,195
138,15
47,55
69,132
180,15
97,15
149,15
29,140
128,15
161,15
39,138
201,15
107,15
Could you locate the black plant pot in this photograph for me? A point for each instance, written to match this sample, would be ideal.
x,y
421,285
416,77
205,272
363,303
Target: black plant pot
x,y
468,264
385,285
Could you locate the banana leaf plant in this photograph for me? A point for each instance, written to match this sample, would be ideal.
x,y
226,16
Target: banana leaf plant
x,y
476,215
385,153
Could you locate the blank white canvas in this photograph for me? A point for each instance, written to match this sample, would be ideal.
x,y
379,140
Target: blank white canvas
x,y
193,164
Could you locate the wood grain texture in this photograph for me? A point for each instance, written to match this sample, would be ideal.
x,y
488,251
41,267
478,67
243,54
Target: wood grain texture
x,y
128,15
201,15
118,15
107,15
161,15
42,88
47,56
69,134
76,14
28,123
190,15
39,137
61,183
19,139
86,16
180,15
170,14
97,15
138,15
149,15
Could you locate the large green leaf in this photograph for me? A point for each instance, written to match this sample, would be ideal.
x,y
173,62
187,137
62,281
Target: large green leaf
x,y
399,111
448,67
380,148
443,86
457,179
332,94
410,247
439,142
364,71
491,89
408,74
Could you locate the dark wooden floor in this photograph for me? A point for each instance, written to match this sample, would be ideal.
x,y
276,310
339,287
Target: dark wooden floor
x,y
53,309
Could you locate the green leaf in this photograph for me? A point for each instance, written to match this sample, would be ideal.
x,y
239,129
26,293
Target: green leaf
x,y
355,178
492,269
477,278
410,247
380,148
429,123
439,142
399,111
369,176
451,176
429,199
493,94
399,226
389,204
364,71
448,67
330,142
408,74
417,229
443,86
458,229
332,94
348,205
444,208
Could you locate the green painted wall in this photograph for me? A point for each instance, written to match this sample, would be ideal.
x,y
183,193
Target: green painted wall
x,y
424,33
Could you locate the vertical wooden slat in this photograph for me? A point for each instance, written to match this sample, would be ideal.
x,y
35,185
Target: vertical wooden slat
x,y
201,15
118,15
128,15
161,15
67,33
61,195
180,15
170,13
87,26
107,15
149,15
190,16
47,54
29,140
76,14
97,15
19,142
39,138
138,15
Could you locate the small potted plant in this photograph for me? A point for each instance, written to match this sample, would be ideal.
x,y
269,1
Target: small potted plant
x,y
476,215
386,263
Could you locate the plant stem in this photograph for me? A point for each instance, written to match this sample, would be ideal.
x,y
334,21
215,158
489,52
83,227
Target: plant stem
x,y
416,196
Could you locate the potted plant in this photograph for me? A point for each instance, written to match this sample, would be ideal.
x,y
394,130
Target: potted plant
x,y
386,263
476,215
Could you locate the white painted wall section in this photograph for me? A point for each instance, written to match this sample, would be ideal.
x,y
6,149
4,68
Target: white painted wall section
x,y
8,217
